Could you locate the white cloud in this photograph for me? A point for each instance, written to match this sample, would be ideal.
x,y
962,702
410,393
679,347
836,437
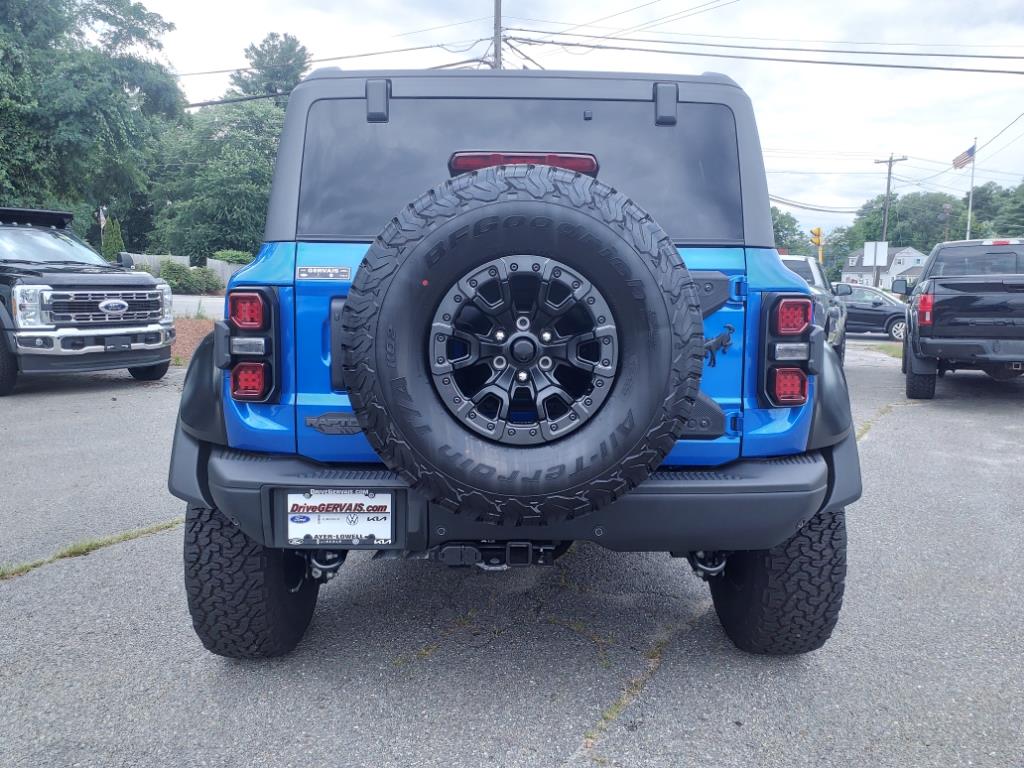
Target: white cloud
x,y
824,118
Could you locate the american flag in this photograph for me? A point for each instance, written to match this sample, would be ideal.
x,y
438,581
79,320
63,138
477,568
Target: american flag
x,y
965,158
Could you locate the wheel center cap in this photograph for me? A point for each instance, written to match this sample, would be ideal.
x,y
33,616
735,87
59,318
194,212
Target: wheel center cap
x,y
523,350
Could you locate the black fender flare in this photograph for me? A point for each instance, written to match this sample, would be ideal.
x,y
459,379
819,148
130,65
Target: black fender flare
x,y
832,419
201,412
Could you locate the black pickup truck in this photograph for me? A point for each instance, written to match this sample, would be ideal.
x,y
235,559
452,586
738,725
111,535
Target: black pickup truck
x,y
64,308
966,312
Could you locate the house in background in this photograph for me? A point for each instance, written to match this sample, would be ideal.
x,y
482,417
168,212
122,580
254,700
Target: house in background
x,y
902,262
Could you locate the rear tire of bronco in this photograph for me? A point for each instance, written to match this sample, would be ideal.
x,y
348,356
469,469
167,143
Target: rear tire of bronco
x,y
8,369
150,372
920,386
785,600
247,601
523,344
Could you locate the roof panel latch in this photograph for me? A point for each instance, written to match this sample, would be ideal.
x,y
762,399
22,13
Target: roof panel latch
x,y
666,98
378,93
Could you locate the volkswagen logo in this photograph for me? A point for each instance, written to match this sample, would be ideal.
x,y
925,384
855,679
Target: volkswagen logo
x,y
353,519
113,306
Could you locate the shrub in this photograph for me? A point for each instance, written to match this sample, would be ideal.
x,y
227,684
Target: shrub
x,y
190,280
113,242
234,257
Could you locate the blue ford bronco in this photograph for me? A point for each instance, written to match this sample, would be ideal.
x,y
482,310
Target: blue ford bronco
x,y
497,313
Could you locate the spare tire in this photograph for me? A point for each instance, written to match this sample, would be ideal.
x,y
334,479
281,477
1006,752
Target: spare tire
x,y
522,344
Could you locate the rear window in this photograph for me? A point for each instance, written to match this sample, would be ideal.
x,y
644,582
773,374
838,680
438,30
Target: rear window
x,y
356,175
970,260
801,268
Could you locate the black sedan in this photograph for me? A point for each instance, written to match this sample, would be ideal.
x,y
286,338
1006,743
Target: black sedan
x,y
869,310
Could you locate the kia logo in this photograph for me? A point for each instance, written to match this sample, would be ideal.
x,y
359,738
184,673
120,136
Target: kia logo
x,y
113,306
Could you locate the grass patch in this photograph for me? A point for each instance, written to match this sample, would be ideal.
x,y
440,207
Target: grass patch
x,y
630,692
891,348
81,548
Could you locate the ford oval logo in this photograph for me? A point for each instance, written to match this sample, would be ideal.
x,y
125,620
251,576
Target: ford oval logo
x,y
113,306
299,518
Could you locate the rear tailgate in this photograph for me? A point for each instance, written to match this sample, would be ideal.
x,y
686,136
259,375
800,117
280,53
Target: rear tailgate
x,y
978,290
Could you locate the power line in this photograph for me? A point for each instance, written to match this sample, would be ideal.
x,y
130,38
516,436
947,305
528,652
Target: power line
x,y
789,40
926,54
810,206
524,56
1001,131
443,26
611,16
831,63
443,46
677,16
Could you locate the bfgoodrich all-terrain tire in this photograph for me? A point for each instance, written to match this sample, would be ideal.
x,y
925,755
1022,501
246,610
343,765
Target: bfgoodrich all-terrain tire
x,y
920,386
247,601
454,339
785,600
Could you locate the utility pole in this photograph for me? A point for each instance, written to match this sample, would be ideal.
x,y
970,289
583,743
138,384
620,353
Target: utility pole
x,y
970,195
497,34
885,214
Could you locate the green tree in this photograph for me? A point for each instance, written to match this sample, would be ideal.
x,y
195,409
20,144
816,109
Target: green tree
x,y
276,65
80,104
1009,222
215,180
838,245
788,234
113,242
919,220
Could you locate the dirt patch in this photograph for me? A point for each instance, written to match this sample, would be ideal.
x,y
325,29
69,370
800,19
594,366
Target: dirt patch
x,y
190,331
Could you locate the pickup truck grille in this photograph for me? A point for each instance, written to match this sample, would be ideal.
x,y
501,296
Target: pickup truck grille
x,y
83,307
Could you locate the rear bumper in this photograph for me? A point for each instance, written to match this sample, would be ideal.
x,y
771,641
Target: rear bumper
x,y
972,350
749,504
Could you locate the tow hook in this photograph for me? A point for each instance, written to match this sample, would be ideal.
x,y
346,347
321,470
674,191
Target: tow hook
x,y
707,565
324,564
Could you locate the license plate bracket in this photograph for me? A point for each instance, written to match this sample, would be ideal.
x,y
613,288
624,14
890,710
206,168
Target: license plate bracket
x,y
117,344
340,517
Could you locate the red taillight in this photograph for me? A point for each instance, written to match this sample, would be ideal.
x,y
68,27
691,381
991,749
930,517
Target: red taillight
x,y
925,305
247,311
793,316
464,162
789,386
249,381
1000,242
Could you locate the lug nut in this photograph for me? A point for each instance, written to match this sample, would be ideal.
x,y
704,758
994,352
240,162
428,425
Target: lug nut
x,y
545,336
500,363
522,323
500,335
544,363
522,376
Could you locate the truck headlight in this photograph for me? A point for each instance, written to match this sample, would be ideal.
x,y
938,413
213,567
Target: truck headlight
x,y
29,311
166,303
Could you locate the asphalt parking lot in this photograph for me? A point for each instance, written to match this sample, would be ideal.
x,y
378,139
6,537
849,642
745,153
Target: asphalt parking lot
x,y
603,659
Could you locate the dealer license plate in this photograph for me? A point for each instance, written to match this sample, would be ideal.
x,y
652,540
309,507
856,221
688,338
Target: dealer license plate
x,y
340,516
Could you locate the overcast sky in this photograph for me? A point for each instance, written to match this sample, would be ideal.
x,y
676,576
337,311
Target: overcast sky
x,y
821,126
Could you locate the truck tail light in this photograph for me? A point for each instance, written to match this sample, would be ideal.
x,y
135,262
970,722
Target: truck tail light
x,y
793,316
247,310
249,381
792,349
925,305
788,386
248,343
464,162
